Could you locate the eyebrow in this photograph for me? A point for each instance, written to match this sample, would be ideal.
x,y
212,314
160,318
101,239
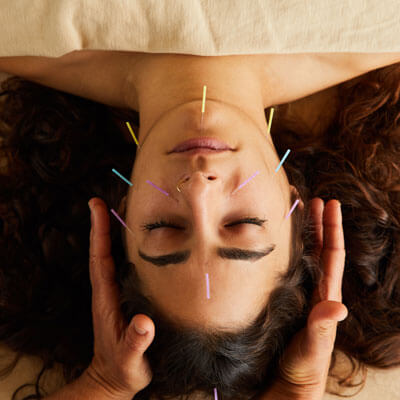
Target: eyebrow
x,y
231,253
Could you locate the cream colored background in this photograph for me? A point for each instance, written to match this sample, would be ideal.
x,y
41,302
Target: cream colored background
x,y
202,27
223,27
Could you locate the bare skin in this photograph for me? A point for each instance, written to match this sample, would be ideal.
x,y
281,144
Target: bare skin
x,y
166,90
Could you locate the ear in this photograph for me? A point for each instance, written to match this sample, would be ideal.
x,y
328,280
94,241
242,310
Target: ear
x,y
294,190
122,206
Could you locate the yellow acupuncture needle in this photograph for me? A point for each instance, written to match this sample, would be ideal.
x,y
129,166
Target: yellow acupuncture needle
x,y
204,99
203,106
271,114
134,137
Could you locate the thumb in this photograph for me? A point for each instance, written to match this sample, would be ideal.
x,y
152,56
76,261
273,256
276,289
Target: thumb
x,y
322,326
137,343
139,334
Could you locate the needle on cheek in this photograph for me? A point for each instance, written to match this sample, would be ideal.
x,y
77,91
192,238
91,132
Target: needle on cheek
x,y
283,159
162,191
293,207
120,220
245,182
271,114
126,180
131,131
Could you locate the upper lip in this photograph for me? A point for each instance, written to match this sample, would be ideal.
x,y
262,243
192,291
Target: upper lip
x,y
201,142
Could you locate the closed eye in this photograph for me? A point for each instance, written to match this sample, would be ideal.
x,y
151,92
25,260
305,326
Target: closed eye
x,y
166,224
248,220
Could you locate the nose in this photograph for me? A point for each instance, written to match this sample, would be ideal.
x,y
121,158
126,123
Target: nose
x,y
199,176
194,188
201,191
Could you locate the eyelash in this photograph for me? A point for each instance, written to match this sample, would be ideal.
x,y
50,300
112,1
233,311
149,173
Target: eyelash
x,y
162,223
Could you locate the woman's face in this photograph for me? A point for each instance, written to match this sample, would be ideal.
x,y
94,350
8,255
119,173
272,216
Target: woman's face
x,y
239,281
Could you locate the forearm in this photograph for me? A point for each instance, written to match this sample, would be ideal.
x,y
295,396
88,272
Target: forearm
x,y
27,67
85,388
281,390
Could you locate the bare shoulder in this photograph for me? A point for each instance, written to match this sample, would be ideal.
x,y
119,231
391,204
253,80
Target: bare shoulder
x,y
299,75
364,62
317,110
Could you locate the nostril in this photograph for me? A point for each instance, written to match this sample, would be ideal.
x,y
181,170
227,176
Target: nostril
x,y
211,178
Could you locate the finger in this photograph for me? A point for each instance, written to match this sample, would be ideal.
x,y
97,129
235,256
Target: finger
x,y
137,343
333,254
105,293
140,333
321,328
317,211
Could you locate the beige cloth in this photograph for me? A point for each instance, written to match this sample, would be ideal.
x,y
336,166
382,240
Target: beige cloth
x,y
200,27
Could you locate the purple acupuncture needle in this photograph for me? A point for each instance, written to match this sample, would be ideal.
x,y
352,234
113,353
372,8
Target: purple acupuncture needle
x,y
293,207
152,184
246,181
208,286
120,220
215,394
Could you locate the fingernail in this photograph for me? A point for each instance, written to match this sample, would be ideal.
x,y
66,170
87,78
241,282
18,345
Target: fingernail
x,y
140,331
345,315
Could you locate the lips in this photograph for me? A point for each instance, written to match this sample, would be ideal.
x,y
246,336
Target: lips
x,y
201,143
200,150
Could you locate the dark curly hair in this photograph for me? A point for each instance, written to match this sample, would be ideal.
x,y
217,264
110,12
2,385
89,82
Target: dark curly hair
x,y
60,151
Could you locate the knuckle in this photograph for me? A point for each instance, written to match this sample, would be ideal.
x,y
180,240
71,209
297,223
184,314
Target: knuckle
x,y
325,329
335,249
134,342
93,258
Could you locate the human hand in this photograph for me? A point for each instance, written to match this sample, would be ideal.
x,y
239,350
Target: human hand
x,y
305,364
119,365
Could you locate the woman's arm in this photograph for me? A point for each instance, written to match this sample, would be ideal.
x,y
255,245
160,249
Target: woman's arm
x,y
313,72
96,75
27,67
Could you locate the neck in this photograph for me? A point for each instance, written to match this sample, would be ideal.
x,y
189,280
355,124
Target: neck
x,y
165,82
